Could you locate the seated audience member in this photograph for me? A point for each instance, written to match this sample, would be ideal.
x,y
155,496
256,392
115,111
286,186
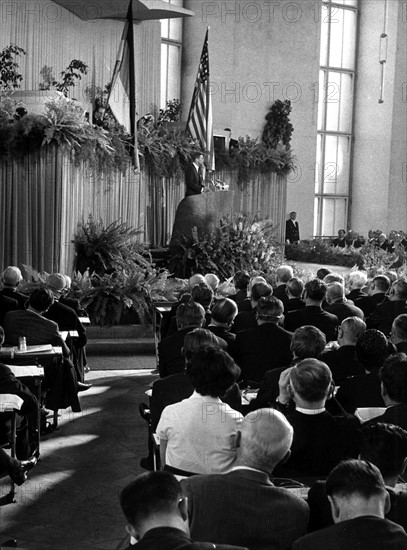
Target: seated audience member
x,y
11,278
357,280
385,446
339,305
384,243
321,440
170,360
16,469
157,514
212,281
323,272
359,501
343,361
200,294
265,347
399,333
294,289
313,314
376,294
363,390
67,300
393,376
354,239
241,281
198,434
334,278
247,319
340,241
62,383
67,320
307,341
391,275
246,305
243,506
384,314
223,314
6,304
283,274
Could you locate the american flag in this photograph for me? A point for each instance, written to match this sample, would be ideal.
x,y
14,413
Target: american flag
x,y
200,124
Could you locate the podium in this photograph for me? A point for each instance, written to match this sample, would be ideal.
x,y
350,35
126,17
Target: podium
x,y
202,211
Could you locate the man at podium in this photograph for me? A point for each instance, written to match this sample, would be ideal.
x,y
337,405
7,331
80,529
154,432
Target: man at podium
x,y
194,179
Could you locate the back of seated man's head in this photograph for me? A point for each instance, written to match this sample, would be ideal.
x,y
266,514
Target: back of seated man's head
x,y
308,341
212,280
295,287
381,282
254,280
400,288
315,289
335,293
393,376
391,275
323,272
269,309
265,440
259,290
357,279
399,329
152,498
241,280
351,329
11,276
311,380
41,299
202,294
385,446
190,314
196,279
198,339
372,348
334,278
284,273
56,282
224,311
356,488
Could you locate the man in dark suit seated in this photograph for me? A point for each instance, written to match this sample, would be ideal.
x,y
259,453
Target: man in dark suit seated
x,y
265,347
321,439
223,314
11,278
283,274
385,446
359,501
399,333
393,376
241,281
157,514
356,282
245,320
243,506
313,314
194,175
363,390
170,359
202,294
6,304
343,361
294,289
339,305
340,240
246,305
376,294
384,314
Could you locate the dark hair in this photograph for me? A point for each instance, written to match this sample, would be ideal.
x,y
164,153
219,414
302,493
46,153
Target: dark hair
x,y
269,308
224,311
196,155
202,294
382,282
385,446
259,290
41,299
308,341
198,339
372,348
355,477
311,379
241,280
190,314
323,272
401,288
315,289
400,326
148,494
212,371
393,375
295,286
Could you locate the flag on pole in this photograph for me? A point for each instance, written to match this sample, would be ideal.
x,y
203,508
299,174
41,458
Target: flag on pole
x,y
122,93
200,124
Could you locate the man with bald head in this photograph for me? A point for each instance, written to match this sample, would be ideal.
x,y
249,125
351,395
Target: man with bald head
x,y
243,505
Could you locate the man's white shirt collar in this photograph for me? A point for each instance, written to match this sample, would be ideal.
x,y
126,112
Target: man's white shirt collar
x,y
310,412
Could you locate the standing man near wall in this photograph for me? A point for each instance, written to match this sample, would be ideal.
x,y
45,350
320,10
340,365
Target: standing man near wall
x,y
292,229
194,175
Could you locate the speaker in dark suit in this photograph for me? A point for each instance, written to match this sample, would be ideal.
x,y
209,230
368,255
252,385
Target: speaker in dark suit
x,y
292,229
193,176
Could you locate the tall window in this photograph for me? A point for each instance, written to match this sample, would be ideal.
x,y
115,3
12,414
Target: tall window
x,y
335,110
171,45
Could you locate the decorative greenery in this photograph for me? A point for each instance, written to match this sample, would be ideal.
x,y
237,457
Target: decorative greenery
x,y
10,78
172,112
48,78
73,72
278,129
